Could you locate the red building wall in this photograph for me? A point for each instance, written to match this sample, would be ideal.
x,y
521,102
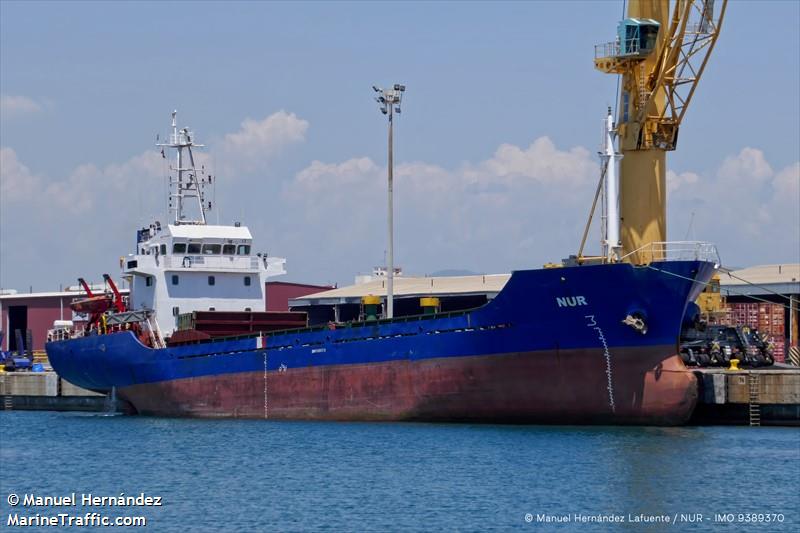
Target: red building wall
x,y
42,312
280,292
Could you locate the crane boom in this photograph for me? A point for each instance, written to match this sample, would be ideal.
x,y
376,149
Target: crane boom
x,y
86,287
660,57
119,305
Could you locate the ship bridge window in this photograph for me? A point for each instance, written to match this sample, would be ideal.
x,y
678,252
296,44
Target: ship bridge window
x,y
194,248
179,248
244,249
229,249
211,249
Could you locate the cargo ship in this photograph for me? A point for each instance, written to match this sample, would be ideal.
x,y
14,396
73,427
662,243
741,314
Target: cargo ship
x,y
580,342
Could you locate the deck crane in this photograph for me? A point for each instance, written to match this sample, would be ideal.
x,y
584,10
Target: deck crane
x,y
119,305
660,58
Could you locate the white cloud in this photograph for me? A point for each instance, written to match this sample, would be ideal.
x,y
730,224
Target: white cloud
x,y
16,180
84,216
318,175
18,105
675,180
748,165
522,207
518,208
84,188
500,211
541,162
787,185
745,207
259,140
89,186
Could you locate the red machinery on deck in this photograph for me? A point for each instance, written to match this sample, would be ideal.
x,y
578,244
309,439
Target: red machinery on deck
x,y
96,305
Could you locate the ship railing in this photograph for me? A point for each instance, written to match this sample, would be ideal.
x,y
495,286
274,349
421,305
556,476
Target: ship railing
x,y
60,334
343,326
181,137
206,261
613,49
674,251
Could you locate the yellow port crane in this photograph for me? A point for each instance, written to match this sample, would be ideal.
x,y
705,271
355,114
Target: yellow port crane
x,y
660,57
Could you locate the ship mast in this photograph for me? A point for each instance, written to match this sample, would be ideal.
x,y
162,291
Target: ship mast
x,y
184,185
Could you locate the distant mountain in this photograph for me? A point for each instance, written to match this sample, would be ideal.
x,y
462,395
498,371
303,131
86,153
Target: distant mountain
x,y
450,272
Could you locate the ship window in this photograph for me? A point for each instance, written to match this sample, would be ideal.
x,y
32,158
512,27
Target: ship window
x,y
176,311
247,309
247,281
163,249
229,249
211,280
211,249
194,247
174,279
244,249
212,308
148,281
179,248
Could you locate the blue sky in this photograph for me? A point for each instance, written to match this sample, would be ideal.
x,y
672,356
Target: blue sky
x,y
495,147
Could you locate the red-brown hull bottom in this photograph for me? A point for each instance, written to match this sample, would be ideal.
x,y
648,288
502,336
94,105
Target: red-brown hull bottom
x,y
559,387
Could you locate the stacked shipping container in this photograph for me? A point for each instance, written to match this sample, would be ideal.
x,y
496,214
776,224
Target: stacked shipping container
x,y
768,318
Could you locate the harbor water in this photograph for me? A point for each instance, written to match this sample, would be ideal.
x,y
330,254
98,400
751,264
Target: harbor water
x,y
297,476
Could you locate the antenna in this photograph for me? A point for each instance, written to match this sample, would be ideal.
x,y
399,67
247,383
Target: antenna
x,y
184,185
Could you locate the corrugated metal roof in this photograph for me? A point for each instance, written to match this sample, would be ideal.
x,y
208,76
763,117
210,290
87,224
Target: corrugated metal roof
x,y
762,280
412,286
764,274
65,294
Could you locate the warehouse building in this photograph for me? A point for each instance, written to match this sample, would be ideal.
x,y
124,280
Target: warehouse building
x,y
454,293
778,285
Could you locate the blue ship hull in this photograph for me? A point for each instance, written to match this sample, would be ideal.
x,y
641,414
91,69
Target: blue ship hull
x,y
551,347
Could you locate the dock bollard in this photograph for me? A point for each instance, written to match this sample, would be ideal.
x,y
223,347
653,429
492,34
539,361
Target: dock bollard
x,y
734,365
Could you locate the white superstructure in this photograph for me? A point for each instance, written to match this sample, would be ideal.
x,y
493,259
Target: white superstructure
x,y
190,265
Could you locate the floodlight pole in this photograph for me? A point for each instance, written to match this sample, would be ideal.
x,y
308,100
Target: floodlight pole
x,y
390,100
390,254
